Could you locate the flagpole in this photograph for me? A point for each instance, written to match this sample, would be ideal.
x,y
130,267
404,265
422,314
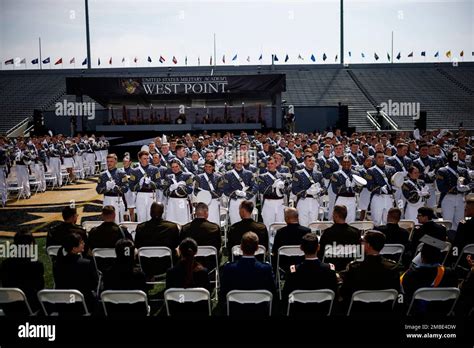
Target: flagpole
x,y
41,59
215,49
392,48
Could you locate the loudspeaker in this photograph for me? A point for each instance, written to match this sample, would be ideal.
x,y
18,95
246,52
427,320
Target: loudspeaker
x,y
343,119
421,122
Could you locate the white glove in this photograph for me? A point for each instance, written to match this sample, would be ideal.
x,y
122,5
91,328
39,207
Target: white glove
x,y
427,169
280,185
181,183
110,185
348,183
142,181
384,190
173,187
240,193
431,174
147,181
463,188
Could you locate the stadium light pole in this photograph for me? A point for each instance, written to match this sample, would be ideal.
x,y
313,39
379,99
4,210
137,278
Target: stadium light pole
x,y
88,40
342,31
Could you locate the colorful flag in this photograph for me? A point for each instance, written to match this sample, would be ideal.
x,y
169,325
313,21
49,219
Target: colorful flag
x,y
9,62
23,61
261,57
34,61
223,59
423,54
110,61
436,54
162,59
84,62
313,58
47,61
235,58
59,61
461,54
448,54
299,57
410,55
399,55
287,58
175,61
149,59
324,57
73,60
376,56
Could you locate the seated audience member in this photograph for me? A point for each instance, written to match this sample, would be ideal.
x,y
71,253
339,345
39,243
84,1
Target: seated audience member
x,y
24,271
72,271
428,227
157,231
466,300
58,233
247,273
339,234
374,272
108,233
204,232
394,234
311,274
124,275
465,232
237,230
291,234
188,273
430,273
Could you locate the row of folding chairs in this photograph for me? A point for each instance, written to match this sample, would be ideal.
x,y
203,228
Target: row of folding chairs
x,y
198,301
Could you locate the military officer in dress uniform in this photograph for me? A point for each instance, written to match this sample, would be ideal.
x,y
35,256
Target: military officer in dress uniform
x,y
271,186
308,185
68,157
89,157
239,185
113,184
39,167
195,166
143,181
427,166
79,149
453,183
379,184
401,163
23,159
54,153
364,196
415,193
345,187
330,167
355,156
297,159
178,185
130,196
163,170
214,183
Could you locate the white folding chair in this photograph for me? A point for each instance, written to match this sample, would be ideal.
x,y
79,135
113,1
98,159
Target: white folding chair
x,y
320,226
14,189
409,225
393,249
51,181
272,231
154,253
99,254
125,297
191,295
236,251
250,297
446,223
207,251
89,225
34,184
286,251
467,250
435,294
311,296
373,296
14,295
65,297
362,225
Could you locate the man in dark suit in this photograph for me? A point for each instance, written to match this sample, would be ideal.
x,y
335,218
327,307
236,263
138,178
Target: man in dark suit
x,y
311,274
58,233
247,224
374,272
156,231
292,233
204,232
428,226
339,234
394,234
108,233
247,273
465,232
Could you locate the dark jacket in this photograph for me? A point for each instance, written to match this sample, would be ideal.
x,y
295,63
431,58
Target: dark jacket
x,y
430,228
291,234
157,232
237,230
124,277
57,234
310,275
204,232
394,234
175,277
341,234
464,234
106,235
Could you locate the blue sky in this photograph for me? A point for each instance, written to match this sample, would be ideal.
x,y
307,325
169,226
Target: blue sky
x,y
142,28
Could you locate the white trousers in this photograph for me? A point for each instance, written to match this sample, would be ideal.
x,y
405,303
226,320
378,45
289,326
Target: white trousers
x,y
431,202
117,203
364,199
452,208
350,203
143,203
90,160
379,208
79,165
331,203
273,211
215,211
411,211
308,210
130,198
234,210
177,210
55,164
23,178
38,170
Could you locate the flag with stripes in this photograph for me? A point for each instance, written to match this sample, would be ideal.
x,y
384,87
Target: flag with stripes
x,y
175,61
59,61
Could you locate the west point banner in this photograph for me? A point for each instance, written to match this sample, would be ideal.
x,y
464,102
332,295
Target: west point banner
x,y
166,87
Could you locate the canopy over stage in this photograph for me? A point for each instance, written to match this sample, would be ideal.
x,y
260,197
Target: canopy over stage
x,y
180,103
